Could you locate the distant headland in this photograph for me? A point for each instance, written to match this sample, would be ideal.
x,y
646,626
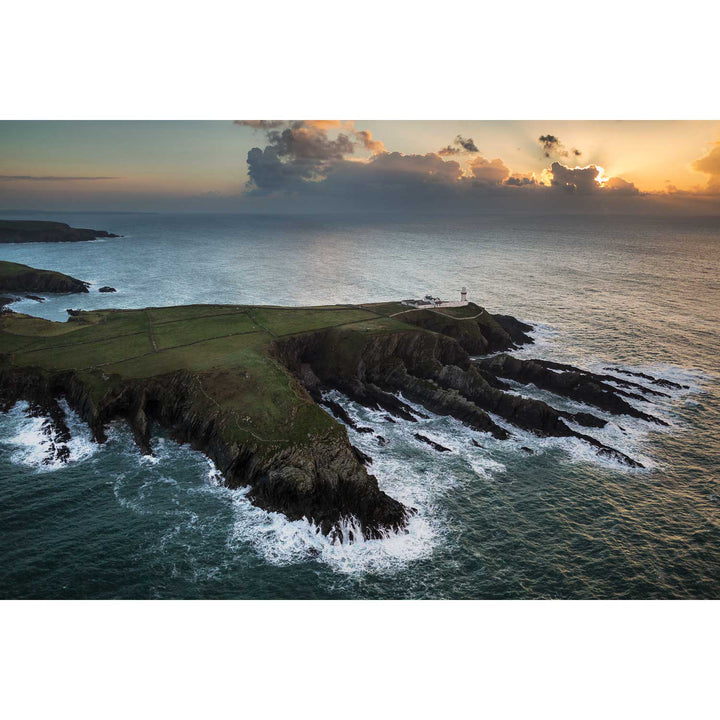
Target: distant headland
x,y
248,385
26,231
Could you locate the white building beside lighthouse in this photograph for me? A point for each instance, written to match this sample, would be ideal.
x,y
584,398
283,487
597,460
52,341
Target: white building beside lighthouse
x,y
430,301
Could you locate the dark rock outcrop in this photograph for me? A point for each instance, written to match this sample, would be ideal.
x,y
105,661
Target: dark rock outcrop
x,y
515,328
432,371
107,289
478,333
655,381
577,385
434,445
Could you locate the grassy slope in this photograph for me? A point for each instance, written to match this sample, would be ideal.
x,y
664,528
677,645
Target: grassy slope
x,y
226,347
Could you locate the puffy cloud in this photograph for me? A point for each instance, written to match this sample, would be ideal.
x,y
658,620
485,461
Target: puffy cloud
x,y
619,186
710,165
575,180
309,142
268,172
586,180
460,144
490,172
302,150
366,140
397,169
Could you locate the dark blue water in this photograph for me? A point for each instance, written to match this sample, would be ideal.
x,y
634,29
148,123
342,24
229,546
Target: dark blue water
x,y
493,522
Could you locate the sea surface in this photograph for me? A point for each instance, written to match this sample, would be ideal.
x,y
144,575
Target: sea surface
x,y
638,293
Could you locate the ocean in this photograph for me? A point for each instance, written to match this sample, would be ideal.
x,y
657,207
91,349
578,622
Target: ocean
x,y
638,293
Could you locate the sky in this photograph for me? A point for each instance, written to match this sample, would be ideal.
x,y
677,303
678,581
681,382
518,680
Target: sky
x,y
344,166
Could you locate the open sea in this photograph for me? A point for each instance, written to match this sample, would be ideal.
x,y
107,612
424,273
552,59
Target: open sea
x,y
638,293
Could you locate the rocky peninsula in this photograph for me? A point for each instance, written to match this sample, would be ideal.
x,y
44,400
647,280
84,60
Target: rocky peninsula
x,y
18,278
25,231
247,386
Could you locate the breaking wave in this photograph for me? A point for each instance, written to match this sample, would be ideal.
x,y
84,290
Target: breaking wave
x,y
28,441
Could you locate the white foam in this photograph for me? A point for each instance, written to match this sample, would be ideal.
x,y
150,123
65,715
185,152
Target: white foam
x,y
29,443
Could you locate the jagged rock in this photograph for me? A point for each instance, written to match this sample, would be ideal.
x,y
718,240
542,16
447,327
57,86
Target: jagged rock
x,y
436,373
361,456
580,386
382,441
431,443
655,381
107,289
515,328
527,450
36,298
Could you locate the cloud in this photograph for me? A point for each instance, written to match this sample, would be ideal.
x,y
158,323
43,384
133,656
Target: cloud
x,y
552,147
520,180
586,180
321,164
575,180
710,165
449,150
54,178
460,144
309,142
618,186
261,124
366,140
467,144
301,151
490,172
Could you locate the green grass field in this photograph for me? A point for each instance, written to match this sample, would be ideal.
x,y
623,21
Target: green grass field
x,y
228,349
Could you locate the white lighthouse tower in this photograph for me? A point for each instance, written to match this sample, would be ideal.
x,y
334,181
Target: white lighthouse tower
x,y
463,294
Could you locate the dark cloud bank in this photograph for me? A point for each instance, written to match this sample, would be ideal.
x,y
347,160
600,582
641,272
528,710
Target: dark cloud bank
x,y
327,166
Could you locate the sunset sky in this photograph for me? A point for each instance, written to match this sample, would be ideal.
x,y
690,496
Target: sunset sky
x,y
317,166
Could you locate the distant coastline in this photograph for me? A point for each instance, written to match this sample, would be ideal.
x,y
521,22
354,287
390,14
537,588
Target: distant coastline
x,y
27,231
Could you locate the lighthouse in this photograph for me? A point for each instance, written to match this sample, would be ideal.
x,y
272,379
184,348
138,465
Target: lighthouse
x,y
463,294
